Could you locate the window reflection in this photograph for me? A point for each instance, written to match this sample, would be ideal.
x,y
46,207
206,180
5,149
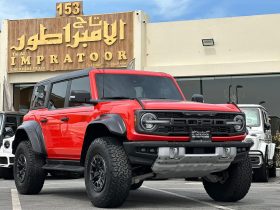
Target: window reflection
x,y
248,89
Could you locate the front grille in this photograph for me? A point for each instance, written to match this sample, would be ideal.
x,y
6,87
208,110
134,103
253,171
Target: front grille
x,y
183,123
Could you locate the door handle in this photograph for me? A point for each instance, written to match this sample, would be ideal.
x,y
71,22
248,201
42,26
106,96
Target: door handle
x,y
44,120
64,119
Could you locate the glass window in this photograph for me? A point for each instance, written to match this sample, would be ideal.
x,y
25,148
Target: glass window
x,y
22,97
81,87
140,86
189,87
252,116
39,96
58,95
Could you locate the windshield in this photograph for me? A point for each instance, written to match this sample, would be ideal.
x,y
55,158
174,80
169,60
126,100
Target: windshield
x,y
118,86
252,116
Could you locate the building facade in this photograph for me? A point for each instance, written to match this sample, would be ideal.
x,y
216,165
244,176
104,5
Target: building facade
x,y
226,59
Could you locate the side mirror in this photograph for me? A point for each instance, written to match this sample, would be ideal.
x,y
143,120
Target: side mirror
x,y
267,126
8,132
79,96
198,98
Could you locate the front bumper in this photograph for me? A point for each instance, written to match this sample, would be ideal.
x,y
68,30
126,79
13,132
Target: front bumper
x,y
194,159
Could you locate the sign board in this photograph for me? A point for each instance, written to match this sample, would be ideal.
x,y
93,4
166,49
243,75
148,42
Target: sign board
x,y
69,8
70,43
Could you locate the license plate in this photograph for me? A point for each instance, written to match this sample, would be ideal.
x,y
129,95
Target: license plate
x,y
201,135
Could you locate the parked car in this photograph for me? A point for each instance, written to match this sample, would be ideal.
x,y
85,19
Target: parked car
x,y
121,127
9,121
263,150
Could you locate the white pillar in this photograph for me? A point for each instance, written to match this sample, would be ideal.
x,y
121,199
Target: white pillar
x,y
3,59
140,22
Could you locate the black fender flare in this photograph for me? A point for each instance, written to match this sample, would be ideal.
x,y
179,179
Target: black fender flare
x,y
113,122
33,131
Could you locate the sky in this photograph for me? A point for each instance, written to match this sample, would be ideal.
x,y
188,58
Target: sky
x,y
158,10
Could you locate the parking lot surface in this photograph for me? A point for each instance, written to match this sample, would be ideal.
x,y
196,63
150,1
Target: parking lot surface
x,y
171,194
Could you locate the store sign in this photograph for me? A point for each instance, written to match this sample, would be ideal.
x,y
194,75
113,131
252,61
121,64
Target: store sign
x,y
70,43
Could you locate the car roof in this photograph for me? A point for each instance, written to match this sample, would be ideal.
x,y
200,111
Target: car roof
x,y
84,72
250,106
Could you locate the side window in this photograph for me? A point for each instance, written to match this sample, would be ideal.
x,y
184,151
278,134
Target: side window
x,y
79,91
58,95
39,96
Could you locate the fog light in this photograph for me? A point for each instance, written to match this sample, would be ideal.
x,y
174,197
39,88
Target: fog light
x,y
173,152
7,144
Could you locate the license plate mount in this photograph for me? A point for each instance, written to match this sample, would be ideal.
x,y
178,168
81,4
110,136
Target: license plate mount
x,y
201,135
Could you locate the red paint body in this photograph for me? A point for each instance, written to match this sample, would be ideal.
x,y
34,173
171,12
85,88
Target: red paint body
x,y
64,140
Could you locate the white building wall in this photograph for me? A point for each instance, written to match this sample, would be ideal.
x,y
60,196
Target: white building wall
x,y
243,45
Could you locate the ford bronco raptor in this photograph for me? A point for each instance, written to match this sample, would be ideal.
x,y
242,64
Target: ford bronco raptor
x,y
9,121
121,127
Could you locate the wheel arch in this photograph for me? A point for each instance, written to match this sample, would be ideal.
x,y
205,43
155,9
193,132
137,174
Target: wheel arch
x,y
106,125
30,131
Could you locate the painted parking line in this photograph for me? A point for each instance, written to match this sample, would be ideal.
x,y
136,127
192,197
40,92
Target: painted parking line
x,y
15,200
189,198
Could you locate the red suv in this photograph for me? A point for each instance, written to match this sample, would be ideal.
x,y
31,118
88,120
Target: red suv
x,y
121,127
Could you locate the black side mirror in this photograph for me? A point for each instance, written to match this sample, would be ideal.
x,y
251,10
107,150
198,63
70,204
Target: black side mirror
x,y
79,96
8,132
267,126
198,98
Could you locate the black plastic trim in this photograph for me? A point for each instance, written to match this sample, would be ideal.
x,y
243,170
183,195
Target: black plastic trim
x,y
35,136
113,122
63,165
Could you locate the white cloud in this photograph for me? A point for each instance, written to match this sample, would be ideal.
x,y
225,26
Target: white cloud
x,y
18,10
169,9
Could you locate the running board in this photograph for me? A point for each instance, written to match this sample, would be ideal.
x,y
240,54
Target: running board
x,y
63,165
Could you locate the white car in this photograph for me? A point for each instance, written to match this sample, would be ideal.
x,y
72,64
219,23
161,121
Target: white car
x,y
9,121
259,132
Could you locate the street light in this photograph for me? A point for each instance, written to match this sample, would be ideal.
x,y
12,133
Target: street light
x,y
236,90
229,90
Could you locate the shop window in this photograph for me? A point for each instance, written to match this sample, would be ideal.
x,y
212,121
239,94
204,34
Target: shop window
x,y
58,95
22,94
39,97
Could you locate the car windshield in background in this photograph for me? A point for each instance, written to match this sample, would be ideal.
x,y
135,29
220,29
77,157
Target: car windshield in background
x,y
252,116
122,86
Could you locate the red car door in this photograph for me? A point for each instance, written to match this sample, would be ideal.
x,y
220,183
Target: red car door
x,y
54,124
79,114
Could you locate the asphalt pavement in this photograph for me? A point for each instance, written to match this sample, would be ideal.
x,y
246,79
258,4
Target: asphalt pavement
x,y
170,194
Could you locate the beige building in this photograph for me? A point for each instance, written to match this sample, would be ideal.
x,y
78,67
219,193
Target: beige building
x,y
242,63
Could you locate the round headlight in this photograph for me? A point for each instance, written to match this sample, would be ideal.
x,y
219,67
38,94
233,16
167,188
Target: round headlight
x,y
241,122
145,121
7,144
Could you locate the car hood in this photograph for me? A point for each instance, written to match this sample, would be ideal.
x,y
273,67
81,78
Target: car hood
x,y
186,105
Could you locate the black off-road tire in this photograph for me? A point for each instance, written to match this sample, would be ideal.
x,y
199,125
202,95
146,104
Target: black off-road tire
x,y
136,186
236,185
272,170
34,178
115,172
8,173
1,172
